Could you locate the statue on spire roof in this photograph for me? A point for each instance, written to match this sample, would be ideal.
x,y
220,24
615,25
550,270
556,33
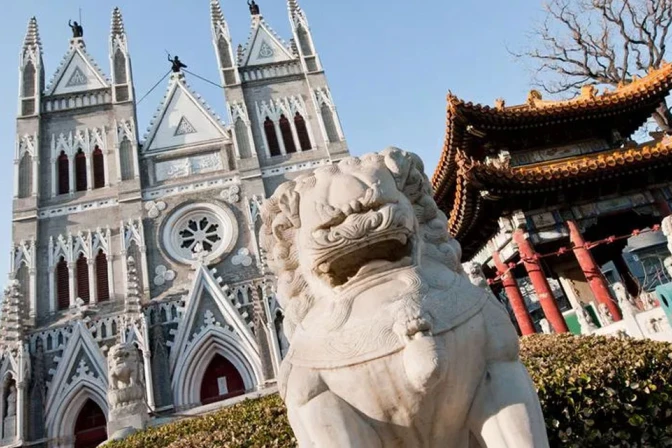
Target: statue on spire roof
x,y
177,64
77,29
254,8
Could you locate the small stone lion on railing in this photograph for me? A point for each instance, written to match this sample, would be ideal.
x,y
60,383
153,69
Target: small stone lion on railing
x,y
125,385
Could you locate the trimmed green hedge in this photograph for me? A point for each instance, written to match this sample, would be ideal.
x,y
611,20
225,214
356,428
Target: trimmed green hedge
x,y
602,392
595,391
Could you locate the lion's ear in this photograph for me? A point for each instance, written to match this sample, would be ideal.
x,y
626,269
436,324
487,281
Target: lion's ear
x,y
289,206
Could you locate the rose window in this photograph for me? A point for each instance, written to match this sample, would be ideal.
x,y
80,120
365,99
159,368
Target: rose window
x,y
201,232
203,229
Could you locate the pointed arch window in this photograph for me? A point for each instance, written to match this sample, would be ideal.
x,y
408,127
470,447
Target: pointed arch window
x,y
272,137
26,175
102,280
82,273
29,80
126,159
98,168
63,165
329,124
287,137
302,131
62,284
80,171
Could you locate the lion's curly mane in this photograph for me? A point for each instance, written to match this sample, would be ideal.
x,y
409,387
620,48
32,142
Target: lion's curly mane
x,y
281,220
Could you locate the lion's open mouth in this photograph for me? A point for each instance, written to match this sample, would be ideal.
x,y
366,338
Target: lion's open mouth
x,y
378,256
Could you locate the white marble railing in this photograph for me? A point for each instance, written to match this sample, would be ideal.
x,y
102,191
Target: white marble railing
x,y
650,324
273,71
76,101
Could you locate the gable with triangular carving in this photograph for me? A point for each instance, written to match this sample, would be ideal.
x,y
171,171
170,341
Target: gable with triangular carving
x,y
77,78
184,127
265,48
182,120
78,74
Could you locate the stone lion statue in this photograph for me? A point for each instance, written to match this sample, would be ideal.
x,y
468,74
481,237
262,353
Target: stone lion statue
x,y
391,344
125,385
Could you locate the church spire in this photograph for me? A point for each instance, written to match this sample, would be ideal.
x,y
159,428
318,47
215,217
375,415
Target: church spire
x,y
32,40
221,39
303,36
117,24
120,60
31,71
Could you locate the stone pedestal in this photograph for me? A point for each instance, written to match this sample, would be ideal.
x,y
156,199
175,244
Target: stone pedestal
x,y
9,428
126,393
127,420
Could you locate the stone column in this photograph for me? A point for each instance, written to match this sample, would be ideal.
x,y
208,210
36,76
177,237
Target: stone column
x,y
33,291
71,174
136,163
110,272
36,170
71,284
295,134
278,135
20,410
540,283
117,159
54,180
106,167
93,281
149,380
145,270
53,306
89,171
591,270
515,297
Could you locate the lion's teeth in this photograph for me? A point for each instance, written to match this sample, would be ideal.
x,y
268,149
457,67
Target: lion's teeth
x,y
324,268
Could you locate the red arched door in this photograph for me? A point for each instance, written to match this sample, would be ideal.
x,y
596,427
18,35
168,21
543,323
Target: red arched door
x,y
221,381
91,426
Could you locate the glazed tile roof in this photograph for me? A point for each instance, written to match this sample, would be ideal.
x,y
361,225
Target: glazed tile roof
x,y
474,193
577,169
471,127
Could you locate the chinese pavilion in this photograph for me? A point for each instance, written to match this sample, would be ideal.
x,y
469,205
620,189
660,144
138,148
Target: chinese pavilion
x,y
553,194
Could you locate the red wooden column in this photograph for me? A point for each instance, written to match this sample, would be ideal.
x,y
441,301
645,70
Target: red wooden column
x,y
592,271
540,283
515,297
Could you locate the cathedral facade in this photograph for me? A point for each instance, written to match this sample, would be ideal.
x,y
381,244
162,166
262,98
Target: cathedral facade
x,y
105,220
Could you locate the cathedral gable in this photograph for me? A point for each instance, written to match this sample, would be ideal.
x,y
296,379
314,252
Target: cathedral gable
x,y
77,74
207,307
81,360
264,48
182,120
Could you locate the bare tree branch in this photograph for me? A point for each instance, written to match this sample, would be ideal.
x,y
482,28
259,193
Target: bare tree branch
x,y
603,42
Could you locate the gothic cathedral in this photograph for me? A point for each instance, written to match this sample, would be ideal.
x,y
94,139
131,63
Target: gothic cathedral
x,y
152,240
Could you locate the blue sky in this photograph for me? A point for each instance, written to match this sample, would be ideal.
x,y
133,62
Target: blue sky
x,y
390,63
